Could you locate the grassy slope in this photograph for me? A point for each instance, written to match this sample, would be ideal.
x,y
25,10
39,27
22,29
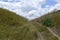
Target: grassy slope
x,y
44,32
10,18
56,17
15,27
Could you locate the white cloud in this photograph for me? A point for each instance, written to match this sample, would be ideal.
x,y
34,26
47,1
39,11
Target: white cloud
x,y
30,9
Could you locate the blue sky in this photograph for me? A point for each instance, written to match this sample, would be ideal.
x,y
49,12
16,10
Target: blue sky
x,y
49,3
30,9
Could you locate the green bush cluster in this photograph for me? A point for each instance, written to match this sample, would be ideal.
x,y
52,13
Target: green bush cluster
x,y
48,22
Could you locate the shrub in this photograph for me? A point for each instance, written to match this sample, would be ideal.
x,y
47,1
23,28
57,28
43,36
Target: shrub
x,y
48,22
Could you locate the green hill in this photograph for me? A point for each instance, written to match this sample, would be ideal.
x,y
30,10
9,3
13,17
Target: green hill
x,y
51,21
15,27
10,18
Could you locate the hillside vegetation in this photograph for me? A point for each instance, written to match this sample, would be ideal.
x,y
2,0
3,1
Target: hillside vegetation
x,y
15,27
12,27
51,21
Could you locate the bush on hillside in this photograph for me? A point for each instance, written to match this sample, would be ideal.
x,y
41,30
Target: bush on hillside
x,y
48,22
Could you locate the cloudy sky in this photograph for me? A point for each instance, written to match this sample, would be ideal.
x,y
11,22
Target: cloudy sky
x,y
30,9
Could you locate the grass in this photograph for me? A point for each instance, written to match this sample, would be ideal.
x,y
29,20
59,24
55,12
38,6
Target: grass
x,y
45,33
15,27
48,36
55,16
10,18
